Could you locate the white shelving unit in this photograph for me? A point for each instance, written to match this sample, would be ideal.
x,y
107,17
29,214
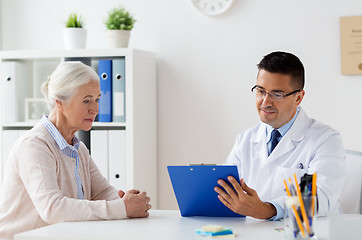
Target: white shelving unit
x,y
140,87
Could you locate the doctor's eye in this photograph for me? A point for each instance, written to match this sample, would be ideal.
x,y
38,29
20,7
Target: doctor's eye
x,y
261,92
276,95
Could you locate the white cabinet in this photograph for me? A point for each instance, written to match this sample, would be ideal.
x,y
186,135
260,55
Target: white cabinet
x,y
137,158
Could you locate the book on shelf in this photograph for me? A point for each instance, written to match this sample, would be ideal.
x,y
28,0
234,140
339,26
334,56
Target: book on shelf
x,y
112,74
108,150
14,90
118,90
105,102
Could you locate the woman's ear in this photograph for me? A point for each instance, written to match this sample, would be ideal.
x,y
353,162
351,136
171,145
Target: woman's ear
x,y
59,104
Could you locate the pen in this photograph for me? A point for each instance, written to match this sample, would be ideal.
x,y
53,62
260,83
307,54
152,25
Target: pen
x,y
304,214
294,193
299,222
292,188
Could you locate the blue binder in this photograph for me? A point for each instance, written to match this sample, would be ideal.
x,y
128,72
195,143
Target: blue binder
x,y
194,189
118,90
105,102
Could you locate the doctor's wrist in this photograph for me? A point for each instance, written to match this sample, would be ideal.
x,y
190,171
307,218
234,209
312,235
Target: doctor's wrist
x,y
268,211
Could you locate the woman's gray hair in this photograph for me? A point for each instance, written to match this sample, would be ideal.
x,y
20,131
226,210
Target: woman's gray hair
x,y
65,80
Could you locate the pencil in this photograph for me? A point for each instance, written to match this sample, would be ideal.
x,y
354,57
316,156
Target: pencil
x,y
302,208
314,191
299,222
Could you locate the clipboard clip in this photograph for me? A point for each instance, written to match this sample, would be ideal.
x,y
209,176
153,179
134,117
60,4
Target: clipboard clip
x,y
202,164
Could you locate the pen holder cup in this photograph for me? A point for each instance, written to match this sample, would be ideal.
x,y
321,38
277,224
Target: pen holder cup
x,y
300,218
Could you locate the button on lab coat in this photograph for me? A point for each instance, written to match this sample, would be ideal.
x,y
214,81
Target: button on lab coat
x,y
308,147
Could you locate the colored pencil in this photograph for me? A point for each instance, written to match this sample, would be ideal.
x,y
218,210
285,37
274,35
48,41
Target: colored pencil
x,y
314,191
299,222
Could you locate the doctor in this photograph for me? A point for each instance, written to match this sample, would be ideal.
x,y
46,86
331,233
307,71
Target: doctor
x,y
286,141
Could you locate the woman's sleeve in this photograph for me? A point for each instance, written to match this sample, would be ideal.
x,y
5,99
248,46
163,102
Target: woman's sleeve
x,y
100,188
37,167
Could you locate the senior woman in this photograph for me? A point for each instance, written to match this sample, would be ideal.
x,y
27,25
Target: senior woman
x,y
50,176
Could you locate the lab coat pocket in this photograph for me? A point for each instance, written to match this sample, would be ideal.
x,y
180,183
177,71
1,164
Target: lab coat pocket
x,y
285,173
281,173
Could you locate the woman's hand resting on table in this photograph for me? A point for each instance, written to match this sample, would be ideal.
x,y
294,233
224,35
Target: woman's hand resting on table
x,y
137,203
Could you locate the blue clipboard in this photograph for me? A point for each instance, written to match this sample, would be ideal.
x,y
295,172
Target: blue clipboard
x,y
194,189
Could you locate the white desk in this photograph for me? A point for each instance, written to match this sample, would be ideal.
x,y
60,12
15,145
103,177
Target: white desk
x,y
161,224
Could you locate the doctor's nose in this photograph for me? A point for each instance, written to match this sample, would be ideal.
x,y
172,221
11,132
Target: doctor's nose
x,y
267,100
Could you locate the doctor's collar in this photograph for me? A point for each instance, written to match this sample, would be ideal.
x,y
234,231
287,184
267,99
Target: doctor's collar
x,y
283,129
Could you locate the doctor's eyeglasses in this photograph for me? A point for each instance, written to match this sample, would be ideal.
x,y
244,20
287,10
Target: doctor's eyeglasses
x,y
275,96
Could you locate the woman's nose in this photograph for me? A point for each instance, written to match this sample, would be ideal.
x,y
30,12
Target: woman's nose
x,y
94,108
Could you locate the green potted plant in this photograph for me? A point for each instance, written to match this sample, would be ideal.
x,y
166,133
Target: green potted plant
x,y
75,35
119,24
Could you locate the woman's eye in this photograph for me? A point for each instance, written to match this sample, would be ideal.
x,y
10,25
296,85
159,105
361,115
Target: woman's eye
x,y
97,100
86,101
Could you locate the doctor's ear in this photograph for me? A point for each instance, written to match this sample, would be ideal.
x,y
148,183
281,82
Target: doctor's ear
x,y
300,96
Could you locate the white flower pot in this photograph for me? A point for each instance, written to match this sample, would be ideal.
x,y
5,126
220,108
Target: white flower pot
x,y
75,38
118,38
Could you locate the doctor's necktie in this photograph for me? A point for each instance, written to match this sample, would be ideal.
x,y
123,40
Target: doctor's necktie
x,y
274,139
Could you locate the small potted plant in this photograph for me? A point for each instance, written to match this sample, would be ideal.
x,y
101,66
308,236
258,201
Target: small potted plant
x,y
75,35
119,24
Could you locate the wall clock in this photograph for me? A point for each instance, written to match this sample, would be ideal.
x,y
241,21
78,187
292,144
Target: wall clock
x,y
212,7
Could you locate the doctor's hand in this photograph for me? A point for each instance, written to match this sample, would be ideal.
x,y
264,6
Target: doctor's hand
x,y
137,203
245,200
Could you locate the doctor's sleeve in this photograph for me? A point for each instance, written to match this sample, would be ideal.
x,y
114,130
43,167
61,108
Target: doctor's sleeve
x,y
235,155
329,164
280,211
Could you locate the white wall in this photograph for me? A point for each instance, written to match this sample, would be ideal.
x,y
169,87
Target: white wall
x,y
1,39
207,65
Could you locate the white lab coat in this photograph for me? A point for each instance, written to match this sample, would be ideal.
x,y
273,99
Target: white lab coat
x,y
308,147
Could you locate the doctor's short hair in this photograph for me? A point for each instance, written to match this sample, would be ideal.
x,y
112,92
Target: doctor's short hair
x,y
285,63
65,80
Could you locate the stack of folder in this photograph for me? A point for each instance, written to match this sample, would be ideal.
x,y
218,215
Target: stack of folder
x,y
112,83
15,89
